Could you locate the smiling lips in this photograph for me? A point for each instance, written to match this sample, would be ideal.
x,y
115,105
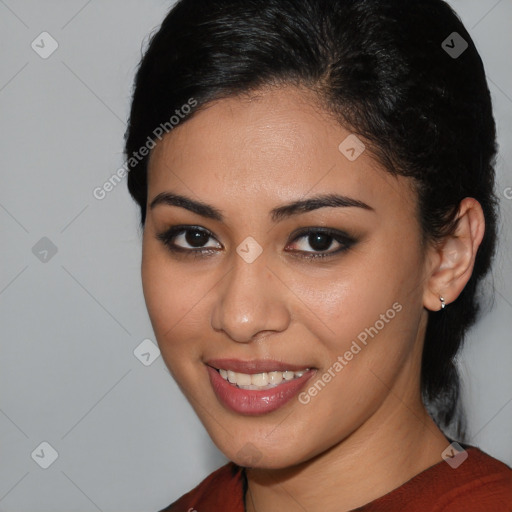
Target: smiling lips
x,y
255,387
258,381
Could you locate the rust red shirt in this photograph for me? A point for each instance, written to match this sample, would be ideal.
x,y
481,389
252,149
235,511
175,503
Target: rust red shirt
x,y
480,484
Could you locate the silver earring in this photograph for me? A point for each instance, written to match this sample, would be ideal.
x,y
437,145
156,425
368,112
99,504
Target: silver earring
x,y
443,305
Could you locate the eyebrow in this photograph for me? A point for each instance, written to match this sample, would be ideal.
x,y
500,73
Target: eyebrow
x,y
276,214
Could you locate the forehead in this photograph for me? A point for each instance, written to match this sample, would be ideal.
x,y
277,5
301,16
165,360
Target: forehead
x,y
275,145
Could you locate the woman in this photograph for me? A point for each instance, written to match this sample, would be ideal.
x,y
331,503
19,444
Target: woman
x,y
315,181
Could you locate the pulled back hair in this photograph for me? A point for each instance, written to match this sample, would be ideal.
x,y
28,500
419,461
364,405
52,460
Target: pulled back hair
x,y
379,66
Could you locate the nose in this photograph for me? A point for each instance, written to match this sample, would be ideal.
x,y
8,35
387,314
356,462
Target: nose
x,y
251,302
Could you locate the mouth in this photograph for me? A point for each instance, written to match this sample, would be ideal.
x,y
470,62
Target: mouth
x,y
256,387
260,381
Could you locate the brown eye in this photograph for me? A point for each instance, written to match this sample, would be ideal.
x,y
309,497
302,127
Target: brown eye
x,y
318,243
188,238
196,237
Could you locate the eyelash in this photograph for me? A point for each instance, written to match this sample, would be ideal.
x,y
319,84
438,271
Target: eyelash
x,y
167,238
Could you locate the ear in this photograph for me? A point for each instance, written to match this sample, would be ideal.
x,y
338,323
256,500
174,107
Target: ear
x,y
453,259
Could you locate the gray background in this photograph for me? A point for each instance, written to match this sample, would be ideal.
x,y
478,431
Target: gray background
x,y
126,438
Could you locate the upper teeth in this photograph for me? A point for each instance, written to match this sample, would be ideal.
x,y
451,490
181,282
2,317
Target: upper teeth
x,y
259,380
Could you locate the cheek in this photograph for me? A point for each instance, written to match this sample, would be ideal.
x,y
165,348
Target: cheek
x,y
367,312
342,304
167,291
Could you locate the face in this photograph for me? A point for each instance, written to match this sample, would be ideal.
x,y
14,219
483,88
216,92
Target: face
x,y
272,259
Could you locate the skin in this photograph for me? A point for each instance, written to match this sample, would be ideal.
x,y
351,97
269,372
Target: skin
x,y
367,431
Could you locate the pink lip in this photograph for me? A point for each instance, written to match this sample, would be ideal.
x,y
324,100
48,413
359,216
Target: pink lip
x,y
253,366
255,402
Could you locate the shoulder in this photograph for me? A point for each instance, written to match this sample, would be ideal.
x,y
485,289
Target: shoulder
x,y
484,484
221,490
478,483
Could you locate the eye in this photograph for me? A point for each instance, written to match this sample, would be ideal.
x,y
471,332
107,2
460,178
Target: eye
x,y
192,240
324,242
188,239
